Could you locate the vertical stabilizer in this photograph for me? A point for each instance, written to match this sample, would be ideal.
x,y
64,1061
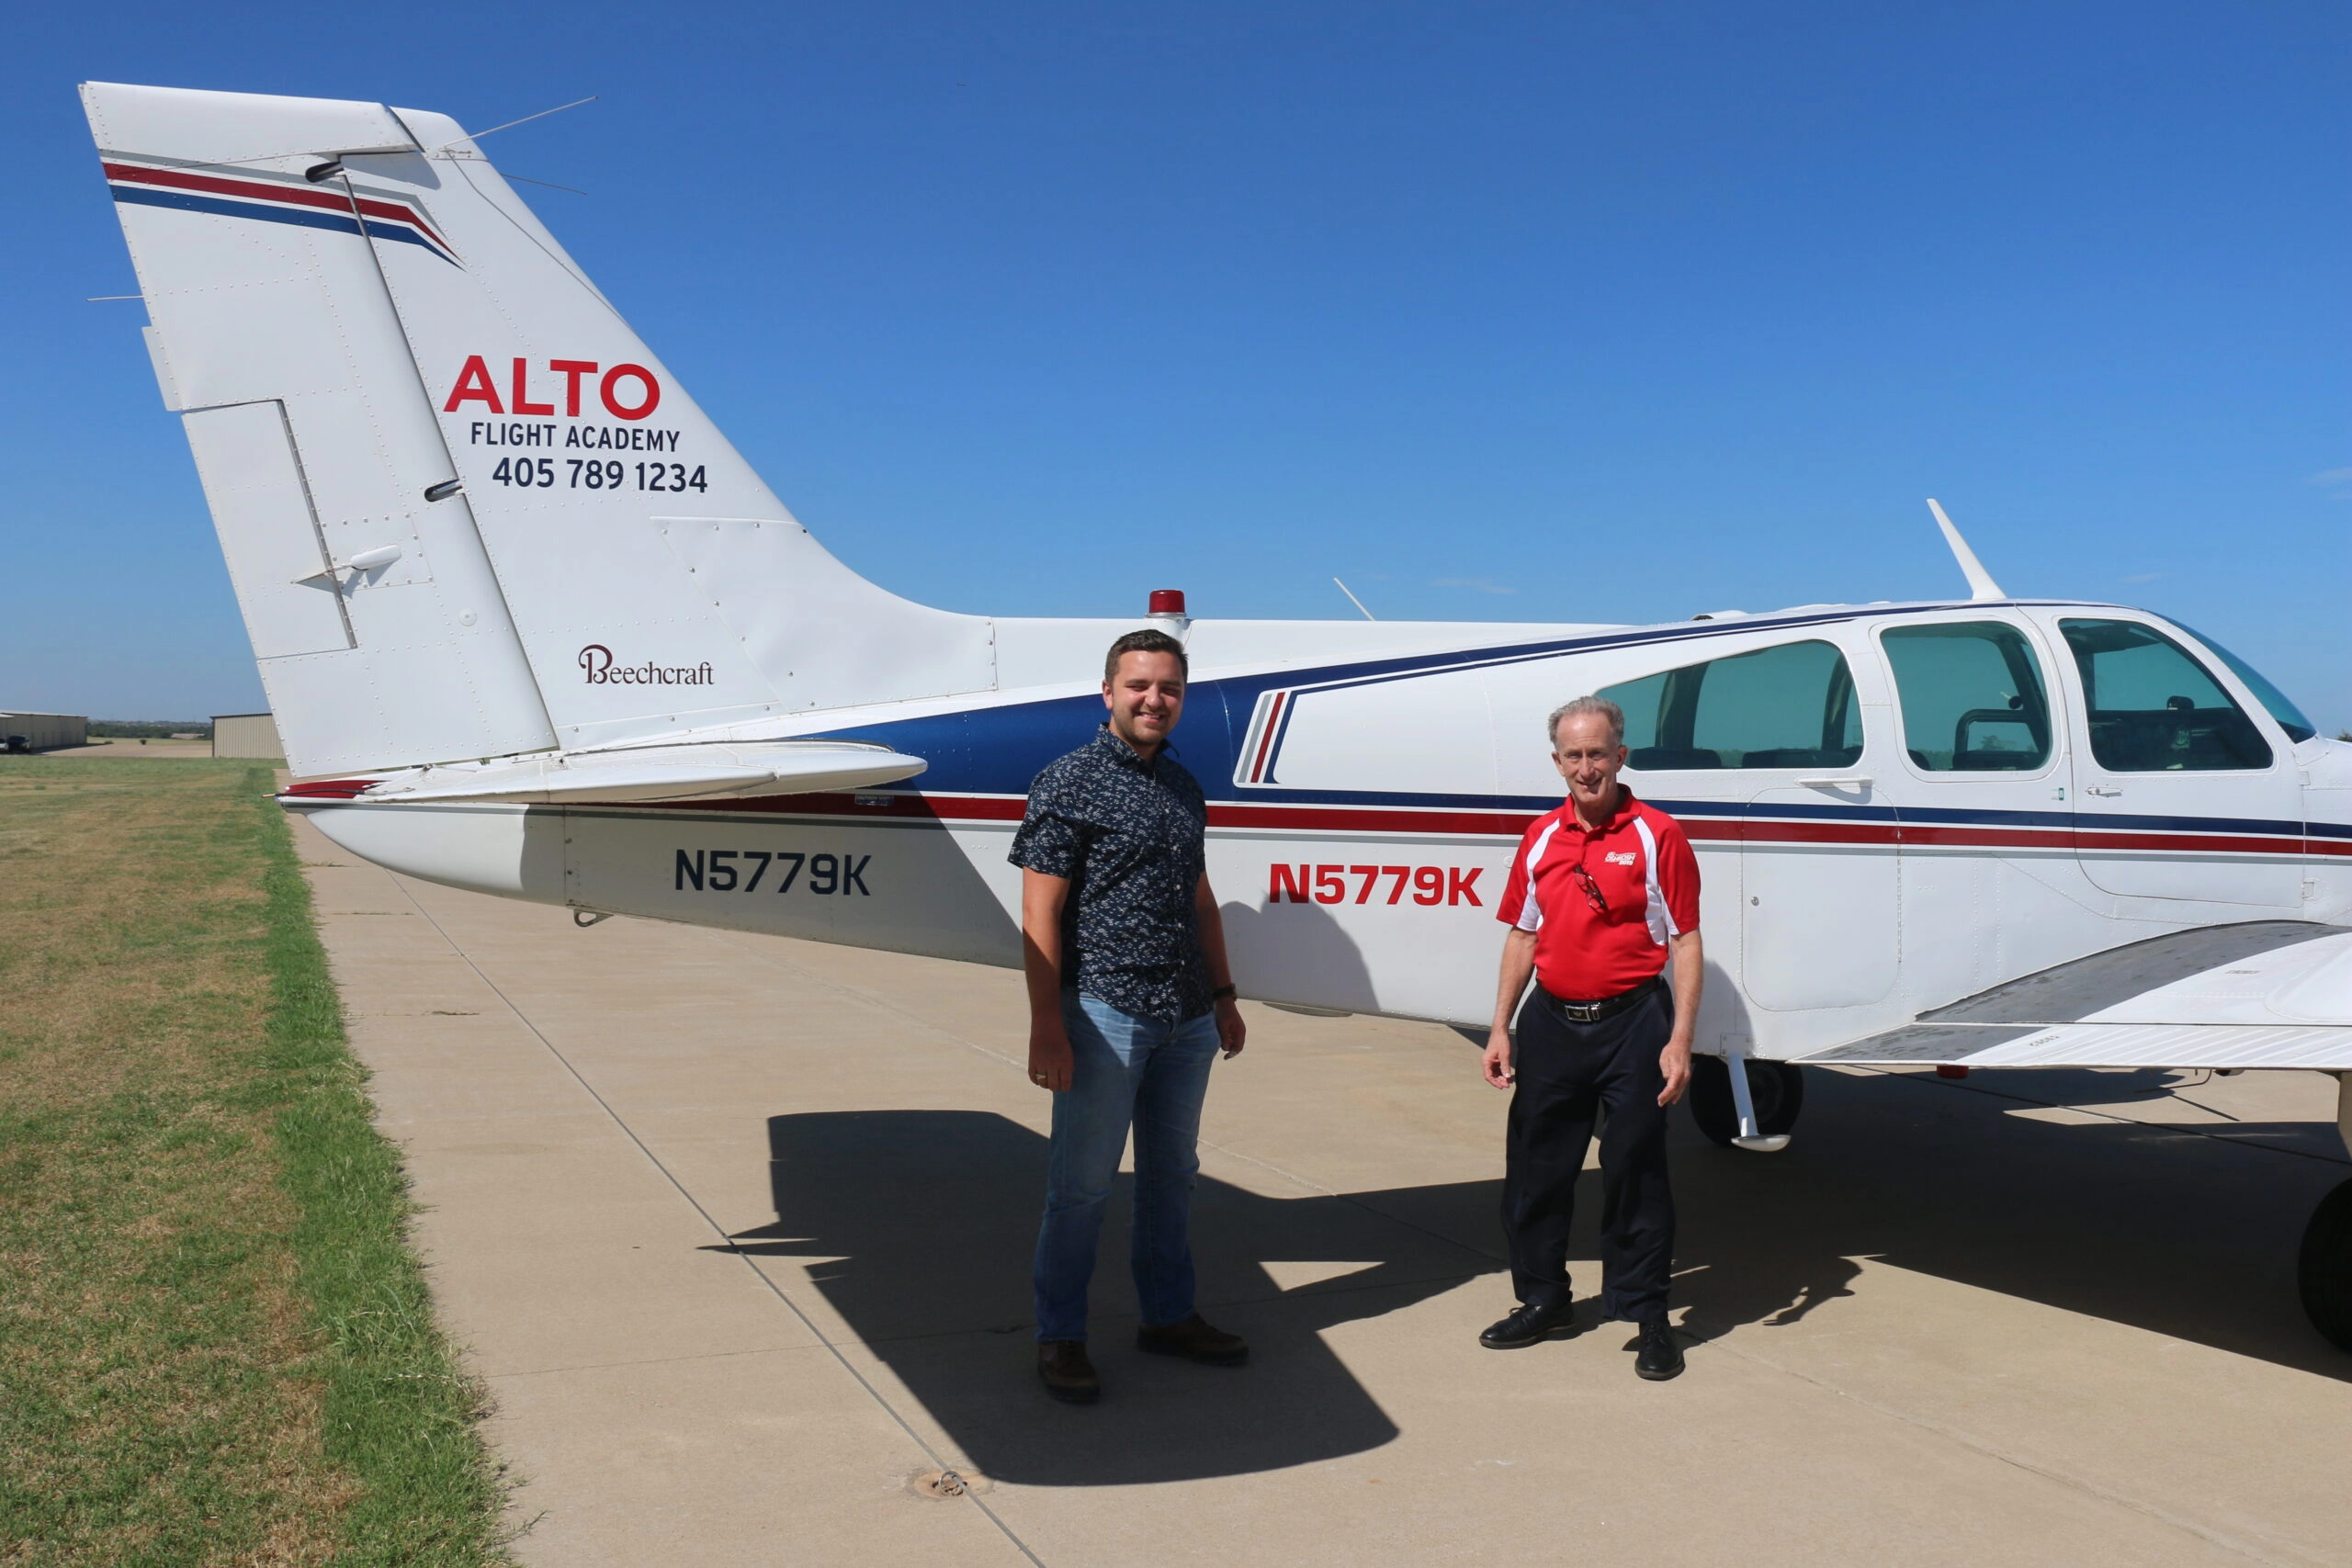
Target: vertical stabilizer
x,y
274,337
489,520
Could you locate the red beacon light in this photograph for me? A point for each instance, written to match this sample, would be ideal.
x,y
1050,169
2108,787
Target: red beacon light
x,y
1166,601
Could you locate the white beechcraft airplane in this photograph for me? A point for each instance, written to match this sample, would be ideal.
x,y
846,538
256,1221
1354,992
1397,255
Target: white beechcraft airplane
x,y
531,627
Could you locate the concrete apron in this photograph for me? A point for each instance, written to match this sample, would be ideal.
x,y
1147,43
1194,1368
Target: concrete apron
x,y
738,1231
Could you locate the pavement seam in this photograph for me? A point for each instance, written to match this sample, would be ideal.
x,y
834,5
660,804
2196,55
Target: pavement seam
x,y
651,1362
859,993
790,1306
1990,1451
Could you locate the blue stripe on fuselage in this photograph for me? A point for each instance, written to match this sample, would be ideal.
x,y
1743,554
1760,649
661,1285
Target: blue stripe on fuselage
x,y
998,750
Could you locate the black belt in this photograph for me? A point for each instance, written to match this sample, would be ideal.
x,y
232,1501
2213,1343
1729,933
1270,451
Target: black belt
x,y
1568,1012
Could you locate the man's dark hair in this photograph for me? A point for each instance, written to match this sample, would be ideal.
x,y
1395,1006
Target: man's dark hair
x,y
1145,641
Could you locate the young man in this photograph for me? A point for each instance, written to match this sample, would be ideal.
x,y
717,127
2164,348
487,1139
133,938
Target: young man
x,y
1130,999
1604,892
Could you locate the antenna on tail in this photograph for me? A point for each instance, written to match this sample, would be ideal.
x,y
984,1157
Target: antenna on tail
x,y
1981,586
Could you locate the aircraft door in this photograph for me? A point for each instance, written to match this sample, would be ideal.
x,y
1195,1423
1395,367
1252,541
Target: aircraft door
x,y
1820,883
1979,788
2180,792
1820,922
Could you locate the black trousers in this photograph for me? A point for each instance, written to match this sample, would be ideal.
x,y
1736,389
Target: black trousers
x,y
1568,1074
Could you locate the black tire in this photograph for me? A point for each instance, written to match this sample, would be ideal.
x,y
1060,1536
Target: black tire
x,y
2324,1271
1777,1089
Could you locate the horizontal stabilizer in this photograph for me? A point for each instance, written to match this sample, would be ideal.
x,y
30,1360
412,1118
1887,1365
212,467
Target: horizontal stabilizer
x,y
642,775
2256,994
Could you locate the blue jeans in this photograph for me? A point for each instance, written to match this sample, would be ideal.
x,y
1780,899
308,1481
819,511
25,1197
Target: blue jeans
x,y
1154,1075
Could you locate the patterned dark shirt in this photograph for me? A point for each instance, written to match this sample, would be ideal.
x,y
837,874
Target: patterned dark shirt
x,y
1128,834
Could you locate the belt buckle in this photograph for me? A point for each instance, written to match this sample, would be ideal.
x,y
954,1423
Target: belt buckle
x,y
1580,1012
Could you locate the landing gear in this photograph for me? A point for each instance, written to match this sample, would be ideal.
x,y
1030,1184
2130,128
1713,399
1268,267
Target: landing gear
x,y
2324,1269
1776,1091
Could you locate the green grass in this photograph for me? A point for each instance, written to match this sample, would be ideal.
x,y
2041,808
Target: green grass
x,y
215,1343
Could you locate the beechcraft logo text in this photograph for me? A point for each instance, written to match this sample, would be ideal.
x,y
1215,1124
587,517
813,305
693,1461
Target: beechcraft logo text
x,y
596,660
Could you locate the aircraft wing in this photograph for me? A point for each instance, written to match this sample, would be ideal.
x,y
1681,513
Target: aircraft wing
x,y
638,776
2260,994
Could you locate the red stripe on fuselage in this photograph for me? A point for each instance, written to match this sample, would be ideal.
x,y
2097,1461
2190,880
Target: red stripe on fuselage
x,y
1924,833
2232,844
258,190
1273,721
952,808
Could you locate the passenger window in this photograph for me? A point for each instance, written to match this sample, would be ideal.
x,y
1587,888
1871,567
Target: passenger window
x,y
1971,695
1791,706
2153,709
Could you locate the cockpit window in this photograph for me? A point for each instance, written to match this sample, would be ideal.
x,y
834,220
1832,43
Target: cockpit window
x,y
2291,717
1791,706
2153,709
1971,696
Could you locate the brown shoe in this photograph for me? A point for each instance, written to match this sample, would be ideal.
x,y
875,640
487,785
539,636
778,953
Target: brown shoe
x,y
1195,1341
1069,1376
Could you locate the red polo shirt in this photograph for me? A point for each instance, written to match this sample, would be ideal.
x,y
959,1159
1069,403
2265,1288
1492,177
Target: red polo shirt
x,y
1640,863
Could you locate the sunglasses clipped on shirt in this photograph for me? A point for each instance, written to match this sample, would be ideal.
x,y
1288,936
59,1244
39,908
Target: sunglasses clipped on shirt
x,y
1592,893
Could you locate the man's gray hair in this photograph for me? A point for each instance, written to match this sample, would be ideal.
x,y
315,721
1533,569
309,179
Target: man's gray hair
x,y
1602,705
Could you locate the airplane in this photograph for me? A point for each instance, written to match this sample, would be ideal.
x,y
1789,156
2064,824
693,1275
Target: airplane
x,y
531,627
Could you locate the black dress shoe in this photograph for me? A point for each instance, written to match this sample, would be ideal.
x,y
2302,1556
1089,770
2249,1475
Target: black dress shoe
x,y
1528,1325
1067,1375
1661,1356
1194,1341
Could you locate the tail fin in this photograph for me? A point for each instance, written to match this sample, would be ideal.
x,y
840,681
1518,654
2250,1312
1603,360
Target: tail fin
x,y
468,513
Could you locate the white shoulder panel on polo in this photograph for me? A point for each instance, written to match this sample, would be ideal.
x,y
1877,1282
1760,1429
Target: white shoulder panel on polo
x,y
1659,918
1531,913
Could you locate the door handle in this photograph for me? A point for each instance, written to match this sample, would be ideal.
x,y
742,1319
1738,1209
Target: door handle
x,y
2100,789
1833,784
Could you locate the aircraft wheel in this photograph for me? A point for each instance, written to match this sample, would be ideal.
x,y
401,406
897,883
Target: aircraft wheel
x,y
1777,1089
2325,1269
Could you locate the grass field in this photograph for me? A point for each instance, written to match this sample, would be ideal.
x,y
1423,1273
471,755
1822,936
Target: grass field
x,y
215,1347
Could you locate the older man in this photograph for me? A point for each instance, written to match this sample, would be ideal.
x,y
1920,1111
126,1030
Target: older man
x,y
1602,898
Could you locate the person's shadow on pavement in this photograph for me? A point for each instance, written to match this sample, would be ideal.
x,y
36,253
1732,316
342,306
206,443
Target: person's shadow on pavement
x,y
926,1221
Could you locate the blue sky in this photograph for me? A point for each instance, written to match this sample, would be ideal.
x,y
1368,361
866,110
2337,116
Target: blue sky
x,y
1512,313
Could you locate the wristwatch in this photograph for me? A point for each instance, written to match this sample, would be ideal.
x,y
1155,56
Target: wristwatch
x,y
1223,993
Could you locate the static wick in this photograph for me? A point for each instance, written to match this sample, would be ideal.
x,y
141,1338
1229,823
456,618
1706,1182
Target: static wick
x,y
549,183
511,124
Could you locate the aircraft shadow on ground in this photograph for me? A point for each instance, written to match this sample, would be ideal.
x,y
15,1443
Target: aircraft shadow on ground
x,y
920,1224
918,1227
2157,1228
